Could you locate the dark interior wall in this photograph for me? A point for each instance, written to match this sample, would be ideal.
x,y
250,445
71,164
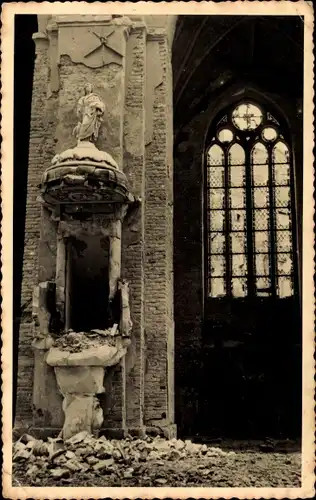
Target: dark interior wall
x,y
24,57
240,59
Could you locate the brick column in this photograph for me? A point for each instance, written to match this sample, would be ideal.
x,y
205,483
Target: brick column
x,y
133,229
158,259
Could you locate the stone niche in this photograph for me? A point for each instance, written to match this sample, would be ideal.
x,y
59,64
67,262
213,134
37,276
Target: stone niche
x,y
82,316
87,300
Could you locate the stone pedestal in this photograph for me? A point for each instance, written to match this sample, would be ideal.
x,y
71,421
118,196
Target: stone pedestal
x,y
79,386
80,378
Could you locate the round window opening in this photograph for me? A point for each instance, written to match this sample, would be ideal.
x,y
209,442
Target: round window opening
x,y
225,135
247,116
269,134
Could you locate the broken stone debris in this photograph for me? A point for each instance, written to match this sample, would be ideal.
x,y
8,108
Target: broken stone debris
x,y
77,341
83,452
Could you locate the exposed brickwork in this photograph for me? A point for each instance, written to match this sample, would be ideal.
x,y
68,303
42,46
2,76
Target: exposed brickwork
x,y
112,401
133,236
39,134
158,256
25,376
147,243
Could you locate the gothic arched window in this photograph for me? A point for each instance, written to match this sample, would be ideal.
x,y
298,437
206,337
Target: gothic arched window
x,y
250,248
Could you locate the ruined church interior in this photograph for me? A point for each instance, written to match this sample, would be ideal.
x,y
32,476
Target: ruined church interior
x,y
201,156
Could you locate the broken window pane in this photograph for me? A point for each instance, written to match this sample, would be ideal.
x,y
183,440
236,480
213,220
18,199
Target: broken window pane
x,y
217,265
259,154
238,220
284,263
262,264
239,287
261,197
247,116
284,241
285,286
266,186
282,196
237,176
236,155
280,153
215,176
261,241
217,243
239,265
217,288
281,174
237,198
261,219
215,155
263,286
238,242
216,220
282,218
216,198
260,175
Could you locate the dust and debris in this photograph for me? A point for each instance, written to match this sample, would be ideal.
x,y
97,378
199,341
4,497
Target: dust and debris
x,y
151,461
78,341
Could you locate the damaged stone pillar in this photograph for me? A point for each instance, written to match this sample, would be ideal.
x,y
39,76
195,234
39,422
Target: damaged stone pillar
x,y
61,259
79,387
126,324
46,398
47,411
80,378
115,257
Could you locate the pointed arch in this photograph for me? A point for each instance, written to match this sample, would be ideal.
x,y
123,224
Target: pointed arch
x,y
250,219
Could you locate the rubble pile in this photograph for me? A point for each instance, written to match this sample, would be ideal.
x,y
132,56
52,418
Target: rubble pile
x,y
84,460
86,454
78,341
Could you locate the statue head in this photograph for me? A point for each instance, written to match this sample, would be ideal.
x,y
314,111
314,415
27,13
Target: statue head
x,y
88,89
90,110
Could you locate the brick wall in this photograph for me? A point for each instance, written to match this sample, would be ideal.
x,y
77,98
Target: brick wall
x,y
39,145
133,235
158,253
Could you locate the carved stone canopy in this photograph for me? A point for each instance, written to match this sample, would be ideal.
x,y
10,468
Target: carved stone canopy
x,y
76,181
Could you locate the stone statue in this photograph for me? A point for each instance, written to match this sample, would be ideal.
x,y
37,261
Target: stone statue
x,y
90,110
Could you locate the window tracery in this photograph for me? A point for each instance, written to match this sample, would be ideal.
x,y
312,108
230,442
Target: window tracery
x,y
249,206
